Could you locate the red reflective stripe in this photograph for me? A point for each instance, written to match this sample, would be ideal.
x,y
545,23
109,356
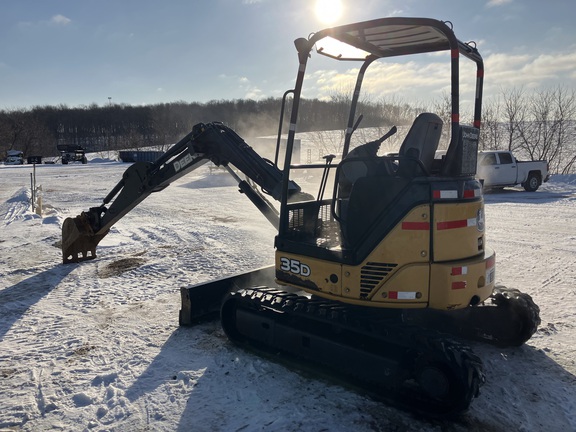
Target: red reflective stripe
x,y
456,118
459,285
436,194
490,262
393,295
452,224
471,193
477,124
480,73
454,53
456,271
416,226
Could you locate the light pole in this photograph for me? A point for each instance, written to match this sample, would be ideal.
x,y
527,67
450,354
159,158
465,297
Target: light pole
x,y
109,125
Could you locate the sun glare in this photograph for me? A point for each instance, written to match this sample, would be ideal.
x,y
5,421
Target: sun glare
x,y
328,11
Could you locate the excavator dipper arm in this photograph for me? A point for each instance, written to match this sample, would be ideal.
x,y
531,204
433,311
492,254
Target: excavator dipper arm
x,y
206,142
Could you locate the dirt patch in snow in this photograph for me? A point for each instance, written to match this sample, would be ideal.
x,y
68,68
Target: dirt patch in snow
x,y
118,267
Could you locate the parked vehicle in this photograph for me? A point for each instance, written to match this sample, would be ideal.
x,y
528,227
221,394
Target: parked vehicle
x,y
498,169
72,153
14,157
34,160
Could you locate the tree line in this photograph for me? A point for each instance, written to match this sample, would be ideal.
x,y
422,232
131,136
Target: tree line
x,y
38,131
535,125
539,125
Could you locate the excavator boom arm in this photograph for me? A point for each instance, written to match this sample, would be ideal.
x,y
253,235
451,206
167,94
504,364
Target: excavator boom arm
x,y
206,142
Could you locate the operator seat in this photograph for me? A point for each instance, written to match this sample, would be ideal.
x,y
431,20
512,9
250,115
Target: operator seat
x,y
421,144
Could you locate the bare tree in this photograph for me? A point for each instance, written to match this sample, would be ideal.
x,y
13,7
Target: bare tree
x,y
491,132
536,135
514,113
396,111
23,130
546,133
566,136
328,142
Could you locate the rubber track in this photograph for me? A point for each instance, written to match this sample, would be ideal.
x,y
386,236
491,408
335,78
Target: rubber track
x,y
507,318
521,307
382,334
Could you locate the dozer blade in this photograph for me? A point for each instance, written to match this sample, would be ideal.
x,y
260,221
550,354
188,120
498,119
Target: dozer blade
x,y
78,240
202,301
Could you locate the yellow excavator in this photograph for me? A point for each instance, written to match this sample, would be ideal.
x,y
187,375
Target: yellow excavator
x,y
381,279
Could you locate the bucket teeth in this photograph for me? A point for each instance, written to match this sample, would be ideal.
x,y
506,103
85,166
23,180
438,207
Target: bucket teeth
x,y
78,240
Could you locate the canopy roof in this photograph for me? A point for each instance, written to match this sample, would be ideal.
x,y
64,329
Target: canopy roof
x,y
388,37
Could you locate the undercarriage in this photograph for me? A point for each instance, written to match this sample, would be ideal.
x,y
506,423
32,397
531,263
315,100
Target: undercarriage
x,y
413,359
405,365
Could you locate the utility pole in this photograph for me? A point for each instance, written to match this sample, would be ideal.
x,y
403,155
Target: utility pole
x,y
109,125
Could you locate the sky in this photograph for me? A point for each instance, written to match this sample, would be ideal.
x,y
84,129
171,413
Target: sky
x,y
83,52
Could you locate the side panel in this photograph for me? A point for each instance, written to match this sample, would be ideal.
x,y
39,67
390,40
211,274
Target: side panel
x,y
454,285
398,268
406,288
458,230
311,274
391,276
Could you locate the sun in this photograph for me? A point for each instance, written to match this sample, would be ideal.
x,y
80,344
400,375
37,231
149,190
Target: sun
x,y
328,11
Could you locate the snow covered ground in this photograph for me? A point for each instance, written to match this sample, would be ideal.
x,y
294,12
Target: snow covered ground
x,y
96,345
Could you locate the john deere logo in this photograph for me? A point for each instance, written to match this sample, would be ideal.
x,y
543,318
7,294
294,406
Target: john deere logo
x,y
184,162
480,220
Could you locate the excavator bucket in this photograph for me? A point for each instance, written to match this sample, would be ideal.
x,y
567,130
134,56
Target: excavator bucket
x,y
78,240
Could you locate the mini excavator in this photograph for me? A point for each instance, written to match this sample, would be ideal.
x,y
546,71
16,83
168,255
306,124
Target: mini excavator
x,y
381,281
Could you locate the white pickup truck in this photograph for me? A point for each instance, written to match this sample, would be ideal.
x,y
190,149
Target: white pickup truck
x,y
497,169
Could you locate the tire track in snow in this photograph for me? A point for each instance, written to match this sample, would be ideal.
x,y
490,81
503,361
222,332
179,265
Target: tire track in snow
x,y
76,364
42,339
78,372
